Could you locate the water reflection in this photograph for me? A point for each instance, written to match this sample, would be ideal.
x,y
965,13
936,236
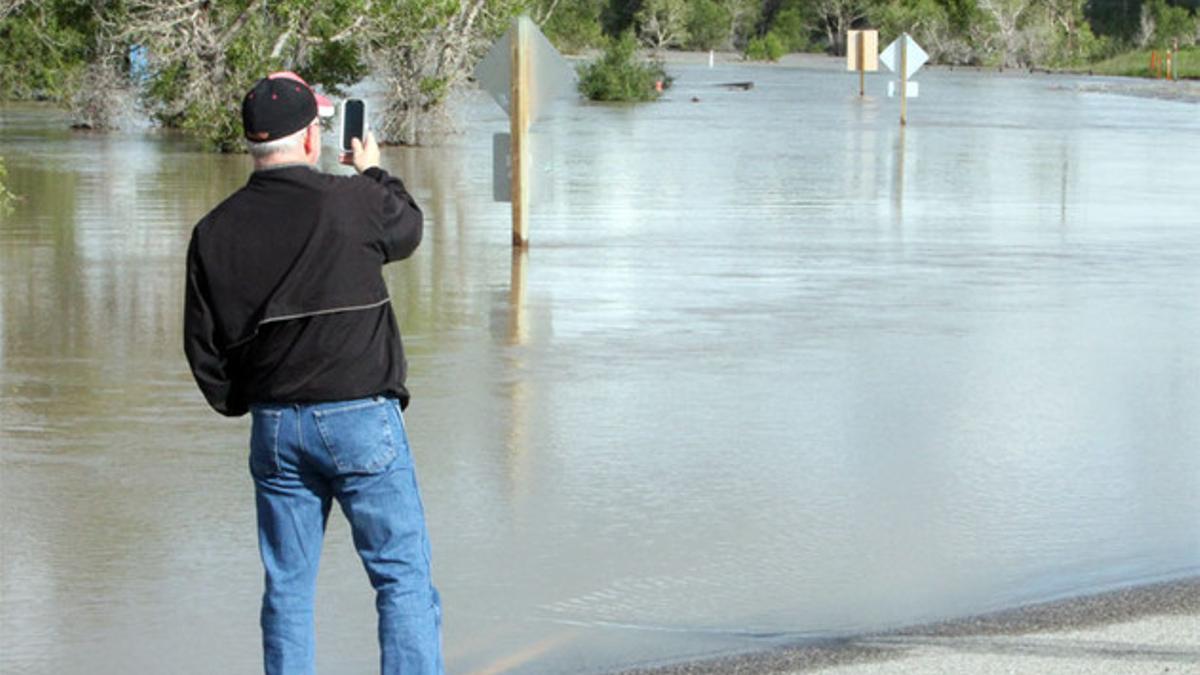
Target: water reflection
x,y
773,365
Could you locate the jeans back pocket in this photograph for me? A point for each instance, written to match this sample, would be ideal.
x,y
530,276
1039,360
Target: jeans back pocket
x,y
359,436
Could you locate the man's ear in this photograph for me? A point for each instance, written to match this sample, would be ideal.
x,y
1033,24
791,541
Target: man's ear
x,y
312,140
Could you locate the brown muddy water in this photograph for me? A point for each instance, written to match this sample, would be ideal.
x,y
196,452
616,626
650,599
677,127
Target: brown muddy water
x,y
771,371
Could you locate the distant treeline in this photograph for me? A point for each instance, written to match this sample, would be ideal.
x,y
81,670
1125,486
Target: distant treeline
x,y
1012,33
186,63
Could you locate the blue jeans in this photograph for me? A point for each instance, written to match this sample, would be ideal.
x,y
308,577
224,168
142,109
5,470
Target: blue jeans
x,y
304,456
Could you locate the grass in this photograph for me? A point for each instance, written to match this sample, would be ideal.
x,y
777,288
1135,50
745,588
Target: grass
x,y
1137,64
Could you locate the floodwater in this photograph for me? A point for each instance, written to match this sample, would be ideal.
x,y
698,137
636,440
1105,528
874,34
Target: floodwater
x,y
771,370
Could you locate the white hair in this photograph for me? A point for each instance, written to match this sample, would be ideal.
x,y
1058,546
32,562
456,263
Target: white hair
x,y
264,149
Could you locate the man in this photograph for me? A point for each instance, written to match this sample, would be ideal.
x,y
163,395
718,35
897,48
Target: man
x,y
287,316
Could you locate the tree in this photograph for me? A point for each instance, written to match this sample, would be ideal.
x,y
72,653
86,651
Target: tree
x,y
423,50
744,16
662,23
203,55
44,47
929,22
1006,17
1073,40
1163,24
792,30
571,25
708,25
839,16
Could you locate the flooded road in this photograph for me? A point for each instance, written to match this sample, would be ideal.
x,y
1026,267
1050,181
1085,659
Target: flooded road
x,y
772,369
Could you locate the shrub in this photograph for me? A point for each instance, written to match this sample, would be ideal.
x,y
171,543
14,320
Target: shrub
x,y
618,76
766,48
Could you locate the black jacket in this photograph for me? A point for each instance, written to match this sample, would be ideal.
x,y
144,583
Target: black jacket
x,y
285,294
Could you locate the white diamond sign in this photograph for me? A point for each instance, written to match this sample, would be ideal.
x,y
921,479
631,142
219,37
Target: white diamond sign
x,y
915,58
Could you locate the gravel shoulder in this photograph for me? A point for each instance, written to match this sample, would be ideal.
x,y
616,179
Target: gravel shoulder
x,y
1146,629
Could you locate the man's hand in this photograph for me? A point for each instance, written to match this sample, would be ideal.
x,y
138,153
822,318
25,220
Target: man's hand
x,y
363,155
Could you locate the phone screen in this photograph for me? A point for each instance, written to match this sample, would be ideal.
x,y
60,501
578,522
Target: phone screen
x,y
353,118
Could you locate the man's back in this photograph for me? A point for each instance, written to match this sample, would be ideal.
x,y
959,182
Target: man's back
x,y
289,293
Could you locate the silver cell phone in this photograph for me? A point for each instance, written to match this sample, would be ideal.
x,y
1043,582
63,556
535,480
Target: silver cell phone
x,y
354,122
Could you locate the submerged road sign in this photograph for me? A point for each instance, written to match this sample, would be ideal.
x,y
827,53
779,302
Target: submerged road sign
x,y
904,57
862,54
916,57
862,50
523,72
912,89
549,73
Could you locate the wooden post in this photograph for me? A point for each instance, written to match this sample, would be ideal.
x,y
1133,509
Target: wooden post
x,y
518,326
519,117
1175,61
862,66
903,79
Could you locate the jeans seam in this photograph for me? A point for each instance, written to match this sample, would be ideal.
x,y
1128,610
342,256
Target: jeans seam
x,y
328,447
275,444
273,421
346,408
299,432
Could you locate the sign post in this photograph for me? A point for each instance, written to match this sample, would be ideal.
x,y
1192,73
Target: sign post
x,y
519,119
862,48
522,72
904,57
904,82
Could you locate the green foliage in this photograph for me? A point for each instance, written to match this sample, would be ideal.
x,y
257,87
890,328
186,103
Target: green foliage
x,y
708,25
662,23
766,48
962,15
916,17
618,76
1071,41
198,77
1171,23
617,16
1137,64
745,17
44,46
335,65
575,26
794,29
421,50
415,42
6,198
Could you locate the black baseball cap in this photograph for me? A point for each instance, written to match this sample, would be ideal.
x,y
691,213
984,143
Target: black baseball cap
x,y
279,105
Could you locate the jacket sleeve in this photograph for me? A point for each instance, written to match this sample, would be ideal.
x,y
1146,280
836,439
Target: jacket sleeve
x,y
209,365
401,219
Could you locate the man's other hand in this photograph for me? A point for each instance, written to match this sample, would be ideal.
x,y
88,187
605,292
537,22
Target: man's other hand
x,y
363,155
